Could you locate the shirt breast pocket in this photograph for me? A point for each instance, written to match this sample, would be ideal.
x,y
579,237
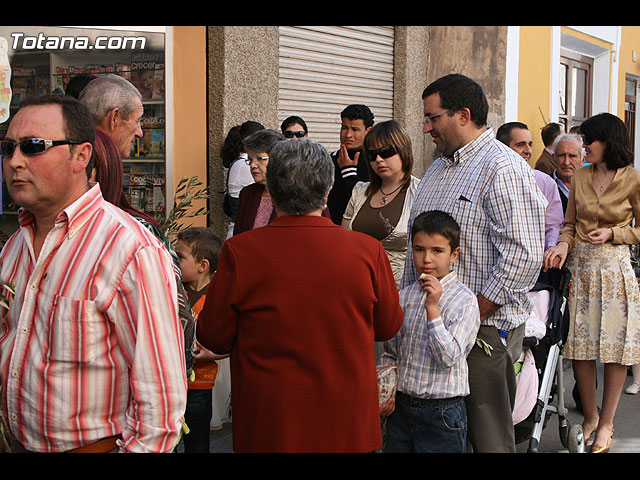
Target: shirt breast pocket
x,y
468,213
73,329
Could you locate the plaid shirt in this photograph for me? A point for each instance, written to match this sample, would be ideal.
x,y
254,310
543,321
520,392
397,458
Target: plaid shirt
x,y
491,192
431,355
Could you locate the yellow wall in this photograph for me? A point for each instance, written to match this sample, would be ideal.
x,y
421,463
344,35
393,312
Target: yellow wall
x,y
535,73
629,43
534,81
190,108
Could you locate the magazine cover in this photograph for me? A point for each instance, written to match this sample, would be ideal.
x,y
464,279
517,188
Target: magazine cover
x,y
143,67
158,82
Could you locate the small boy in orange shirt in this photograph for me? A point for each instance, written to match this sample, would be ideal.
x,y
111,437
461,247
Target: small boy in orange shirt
x,y
198,250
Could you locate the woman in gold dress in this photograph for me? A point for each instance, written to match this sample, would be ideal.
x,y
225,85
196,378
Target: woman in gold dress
x,y
604,301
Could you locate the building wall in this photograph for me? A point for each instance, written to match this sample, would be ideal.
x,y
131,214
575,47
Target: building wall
x,y
242,64
612,49
476,51
629,59
243,85
534,82
190,110
411,62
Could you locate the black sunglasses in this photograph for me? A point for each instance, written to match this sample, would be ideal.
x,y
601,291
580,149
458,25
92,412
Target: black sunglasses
x,y
32,146
384,152
587,140
291,134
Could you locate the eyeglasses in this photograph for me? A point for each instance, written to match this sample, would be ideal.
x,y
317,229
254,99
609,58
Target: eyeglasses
x,y
428,119
32,146
291,134
384,152
257,159
587,140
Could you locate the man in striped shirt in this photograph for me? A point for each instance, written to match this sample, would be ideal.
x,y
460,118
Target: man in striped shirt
x,y
491,192
91,348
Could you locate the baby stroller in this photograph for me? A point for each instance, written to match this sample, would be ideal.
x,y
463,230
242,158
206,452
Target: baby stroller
x,y
542,365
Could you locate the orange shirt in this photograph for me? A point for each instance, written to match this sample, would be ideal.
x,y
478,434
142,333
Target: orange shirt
x,y
205,372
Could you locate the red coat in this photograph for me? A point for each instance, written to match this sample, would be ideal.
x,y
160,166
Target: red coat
x,y
248,204
299,304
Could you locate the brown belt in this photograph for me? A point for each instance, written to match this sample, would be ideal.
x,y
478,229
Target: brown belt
x,y
101,446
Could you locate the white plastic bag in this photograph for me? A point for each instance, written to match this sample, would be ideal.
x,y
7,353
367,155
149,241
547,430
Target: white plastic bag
x,y
387,379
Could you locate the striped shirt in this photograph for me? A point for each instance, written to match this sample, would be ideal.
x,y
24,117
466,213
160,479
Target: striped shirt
x,y
431,355
491,192
92,345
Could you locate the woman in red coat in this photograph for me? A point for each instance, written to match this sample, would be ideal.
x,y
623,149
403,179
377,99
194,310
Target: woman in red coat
x,y
298,304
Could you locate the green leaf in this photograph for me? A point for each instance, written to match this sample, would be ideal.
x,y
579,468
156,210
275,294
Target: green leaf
x,y
186,192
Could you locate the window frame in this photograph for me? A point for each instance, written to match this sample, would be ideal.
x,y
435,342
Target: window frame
x,y
573,61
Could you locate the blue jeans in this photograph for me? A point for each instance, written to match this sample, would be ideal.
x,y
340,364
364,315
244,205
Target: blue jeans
x,y
427,426
198,418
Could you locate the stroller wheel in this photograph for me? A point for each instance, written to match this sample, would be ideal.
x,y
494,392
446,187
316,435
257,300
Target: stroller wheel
x,y
576,439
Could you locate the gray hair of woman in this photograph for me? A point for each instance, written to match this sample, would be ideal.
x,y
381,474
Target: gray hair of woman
x,y
262,141
299,176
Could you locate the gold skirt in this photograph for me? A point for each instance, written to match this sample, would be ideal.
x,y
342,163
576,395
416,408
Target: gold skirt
x,y
604,305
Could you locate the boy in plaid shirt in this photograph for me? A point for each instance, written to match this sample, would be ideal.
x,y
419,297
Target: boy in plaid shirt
x,y
441,320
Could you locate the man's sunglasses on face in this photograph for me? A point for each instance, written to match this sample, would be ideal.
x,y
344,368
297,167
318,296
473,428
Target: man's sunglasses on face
x,y
32,146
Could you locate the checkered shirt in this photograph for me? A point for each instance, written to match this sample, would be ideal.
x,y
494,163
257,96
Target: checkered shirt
x,y
491,192
431,354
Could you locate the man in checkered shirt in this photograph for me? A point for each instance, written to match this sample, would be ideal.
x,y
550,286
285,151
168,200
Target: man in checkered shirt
x,y
491,192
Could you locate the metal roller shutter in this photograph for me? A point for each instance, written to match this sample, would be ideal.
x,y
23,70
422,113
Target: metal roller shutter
x,y
324,69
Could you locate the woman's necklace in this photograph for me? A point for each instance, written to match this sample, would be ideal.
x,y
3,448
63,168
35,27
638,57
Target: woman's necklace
x,y
386,195
607,179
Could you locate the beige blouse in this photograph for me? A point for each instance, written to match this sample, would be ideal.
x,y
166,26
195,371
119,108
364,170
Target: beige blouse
x,y
615,208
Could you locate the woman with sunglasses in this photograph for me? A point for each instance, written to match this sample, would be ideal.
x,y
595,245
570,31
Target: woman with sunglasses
x,y
381,207
604,302
294,127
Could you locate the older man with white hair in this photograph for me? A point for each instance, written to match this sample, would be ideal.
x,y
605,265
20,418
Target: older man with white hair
x,y
569,157
116,107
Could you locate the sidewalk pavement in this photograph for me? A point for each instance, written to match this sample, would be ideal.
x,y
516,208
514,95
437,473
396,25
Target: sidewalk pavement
x,y
626,438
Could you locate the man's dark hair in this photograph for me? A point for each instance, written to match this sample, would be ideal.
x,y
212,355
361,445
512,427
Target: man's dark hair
x,y
76,85
503,134
458,91
358,112
437,222
78,124
549,133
